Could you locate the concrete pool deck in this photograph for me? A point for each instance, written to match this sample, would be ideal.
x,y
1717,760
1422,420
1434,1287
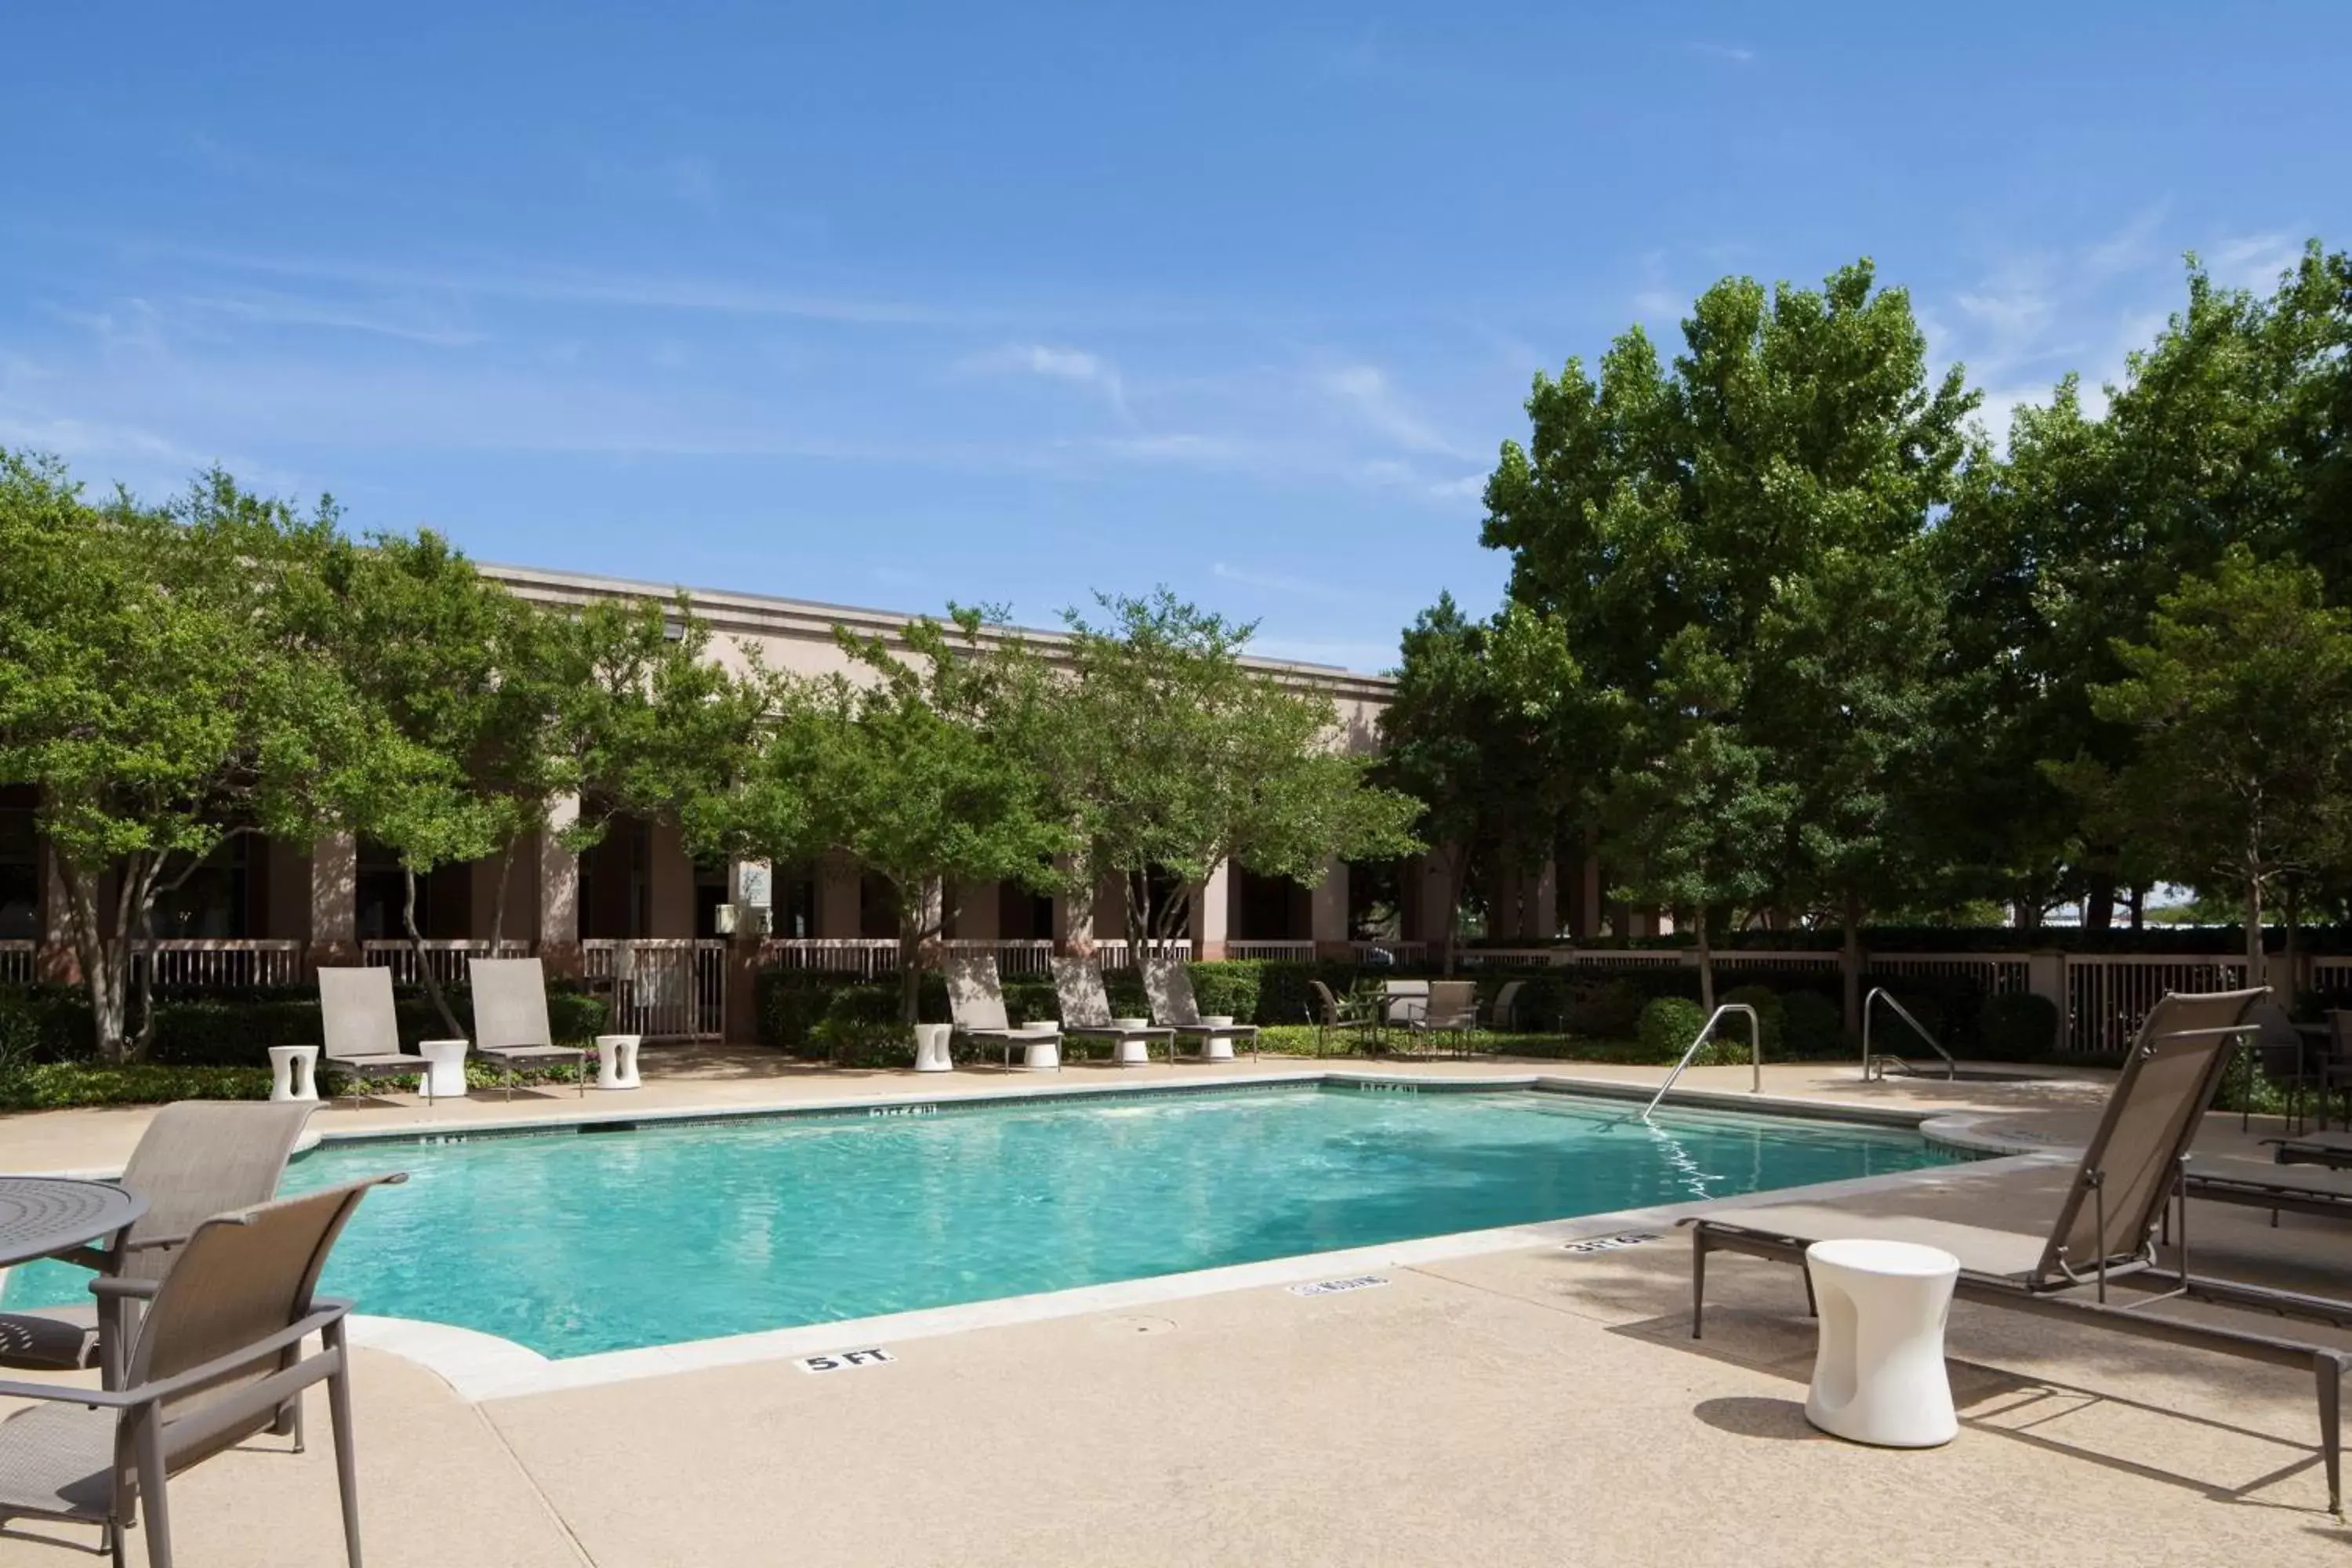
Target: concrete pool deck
x,y
1528,1405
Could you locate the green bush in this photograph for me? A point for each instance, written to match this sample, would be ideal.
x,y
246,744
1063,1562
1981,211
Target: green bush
x,y
2019,1026
1730,1047
1667,1026
1812,1028
51,1086
1237,987
1607,1010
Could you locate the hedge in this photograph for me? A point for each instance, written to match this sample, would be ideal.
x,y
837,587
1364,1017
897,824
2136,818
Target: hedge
x,y
53,1024
2018,1027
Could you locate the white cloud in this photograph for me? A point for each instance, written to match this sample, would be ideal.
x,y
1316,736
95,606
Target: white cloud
x,y
1368,393
1733,54
1075,366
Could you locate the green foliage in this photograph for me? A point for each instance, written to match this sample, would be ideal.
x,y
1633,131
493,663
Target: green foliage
x,y
1668,1025
2018,1027
1608,1010
1731,1045
56,1086
1168,755
1812,1028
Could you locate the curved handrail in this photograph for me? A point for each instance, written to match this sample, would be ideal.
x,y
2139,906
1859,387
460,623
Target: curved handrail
x,y
1951,1067
1755,1052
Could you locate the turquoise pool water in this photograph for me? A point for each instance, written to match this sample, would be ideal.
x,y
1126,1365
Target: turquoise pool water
x,y
572,1244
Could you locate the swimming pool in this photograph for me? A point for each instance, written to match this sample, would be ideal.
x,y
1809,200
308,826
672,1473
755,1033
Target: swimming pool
x,y
572,1244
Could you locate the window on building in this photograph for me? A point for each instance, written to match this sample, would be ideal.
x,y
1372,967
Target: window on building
x,y
1021,915
878,906
616,882
709,892
794,913
216,901
1376,900
1270,909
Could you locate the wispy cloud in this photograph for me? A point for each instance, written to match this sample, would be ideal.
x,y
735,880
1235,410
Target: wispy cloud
x,y
1077,367
1371,395
1734,53
1277,582
691,180
290,310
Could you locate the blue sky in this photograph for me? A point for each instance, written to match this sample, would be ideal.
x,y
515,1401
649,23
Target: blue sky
x,y
887,305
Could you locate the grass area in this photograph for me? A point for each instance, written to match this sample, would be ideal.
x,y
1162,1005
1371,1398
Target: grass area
x,y
1304,1040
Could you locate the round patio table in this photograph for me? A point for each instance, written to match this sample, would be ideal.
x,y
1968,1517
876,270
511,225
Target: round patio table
x,y
42,1215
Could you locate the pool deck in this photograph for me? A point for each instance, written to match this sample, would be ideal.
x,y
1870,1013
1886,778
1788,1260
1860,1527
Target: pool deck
x,y
1521,1403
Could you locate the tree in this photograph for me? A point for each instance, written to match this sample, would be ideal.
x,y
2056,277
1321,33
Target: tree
x,y
924,772
1171,756
1702,533
1487,731
157,686
2240,700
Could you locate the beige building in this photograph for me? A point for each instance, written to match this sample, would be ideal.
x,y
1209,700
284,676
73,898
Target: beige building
x,y
638,904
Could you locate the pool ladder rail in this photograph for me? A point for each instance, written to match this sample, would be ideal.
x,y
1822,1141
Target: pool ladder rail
x,y
1875,1066
1755,1052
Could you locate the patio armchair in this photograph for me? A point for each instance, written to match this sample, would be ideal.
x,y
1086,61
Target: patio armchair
x,y
511,1016
976,1002
1168,985
1450,1014
1402,1001
1332,1014
1502,1013
362,1028
2040,1239
197,1159
1087,1016
219,1356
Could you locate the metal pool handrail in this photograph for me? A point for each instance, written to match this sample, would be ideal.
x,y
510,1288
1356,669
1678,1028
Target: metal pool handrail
x,y
1951,1067
1755,1052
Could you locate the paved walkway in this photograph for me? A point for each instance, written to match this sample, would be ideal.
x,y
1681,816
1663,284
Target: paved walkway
x,y
1530,1406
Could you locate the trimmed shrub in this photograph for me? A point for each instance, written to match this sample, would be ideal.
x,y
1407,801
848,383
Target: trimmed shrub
x,y
50,1086
1667,1025
1812,1028
1730,1044
2019,1026
1611,1010
1238,986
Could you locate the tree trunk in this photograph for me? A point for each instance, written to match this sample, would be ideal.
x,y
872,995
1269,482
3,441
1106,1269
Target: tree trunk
x,y
1457,865
1706,963
2254,930
911,960
2098,901
1850,959
2139,909
416,945
499,898
97,954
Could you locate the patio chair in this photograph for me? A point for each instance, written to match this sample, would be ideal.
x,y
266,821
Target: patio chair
x,y
2306,1189
1331,1015
1402,1001
2035,1237
2330,1149
1450,1014
197,1158
976,1002
1168,985
1502,1013
362,1028
1085,1014
217,1357
511,1016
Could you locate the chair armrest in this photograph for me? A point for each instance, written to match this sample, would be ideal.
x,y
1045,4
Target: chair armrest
x,y
114,1285
154,1243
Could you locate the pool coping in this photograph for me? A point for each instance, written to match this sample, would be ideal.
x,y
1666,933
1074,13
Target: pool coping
x,y
479,1366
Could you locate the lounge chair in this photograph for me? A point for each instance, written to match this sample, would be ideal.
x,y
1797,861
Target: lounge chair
x,y
1330,1015
976,1001
2264,1184
197,1158
218,1358
511,1016
362,1029
1502,1013
2035,1237
2331,1149
1168,985
1086,1015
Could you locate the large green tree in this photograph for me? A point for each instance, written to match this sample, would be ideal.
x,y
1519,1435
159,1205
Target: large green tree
x,y
2239,701
1489,730
1169,755
1733,544
159,686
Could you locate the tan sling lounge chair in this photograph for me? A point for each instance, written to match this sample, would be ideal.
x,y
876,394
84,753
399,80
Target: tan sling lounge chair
x,y
1086,1012
219,1356
2040,1239
511,1016
976,1002
362,1028
1168,985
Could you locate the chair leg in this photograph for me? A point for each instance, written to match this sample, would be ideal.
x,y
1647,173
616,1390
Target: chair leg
x,y
148,1443
339,1414
1699,1282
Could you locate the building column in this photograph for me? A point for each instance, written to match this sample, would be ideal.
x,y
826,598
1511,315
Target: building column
x,y
559,893
1436,908
1212,910
1329,911
1589,908
334,901
837,913
669,882
1539,903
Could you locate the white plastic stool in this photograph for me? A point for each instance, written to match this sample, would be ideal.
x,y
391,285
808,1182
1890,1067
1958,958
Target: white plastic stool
x,y
931,1047
1131,1051
1042,1052
616,1060
1217,1047
445,1075
1878,1373
293,1072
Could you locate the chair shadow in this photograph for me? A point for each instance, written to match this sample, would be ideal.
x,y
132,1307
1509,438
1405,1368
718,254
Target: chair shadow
x,y
1749,1416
